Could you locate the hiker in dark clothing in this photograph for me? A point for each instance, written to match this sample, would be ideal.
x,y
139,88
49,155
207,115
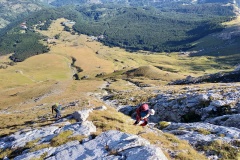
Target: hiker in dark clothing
x,y
57,108
143,112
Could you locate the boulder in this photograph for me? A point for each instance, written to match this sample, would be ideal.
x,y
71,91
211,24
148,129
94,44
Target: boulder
x,y
81,128
82,115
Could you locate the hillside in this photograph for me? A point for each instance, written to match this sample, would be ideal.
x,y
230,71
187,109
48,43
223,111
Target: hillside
x,y
94,62
170,27
159,3
12,10
120,80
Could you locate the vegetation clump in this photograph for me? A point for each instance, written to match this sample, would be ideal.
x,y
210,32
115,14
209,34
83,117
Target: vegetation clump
x,y
163,124
223,150
202,131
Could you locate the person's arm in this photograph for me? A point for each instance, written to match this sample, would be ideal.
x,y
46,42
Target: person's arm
x,y
145,116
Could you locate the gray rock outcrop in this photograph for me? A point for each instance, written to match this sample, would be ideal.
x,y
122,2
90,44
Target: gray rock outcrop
x,y
198,106
109,145
201,135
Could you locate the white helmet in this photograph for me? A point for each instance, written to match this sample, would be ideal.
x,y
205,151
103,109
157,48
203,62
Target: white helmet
x,y
151,112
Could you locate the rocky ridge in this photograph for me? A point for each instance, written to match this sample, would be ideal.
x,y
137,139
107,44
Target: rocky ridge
x,y
202,116
111,144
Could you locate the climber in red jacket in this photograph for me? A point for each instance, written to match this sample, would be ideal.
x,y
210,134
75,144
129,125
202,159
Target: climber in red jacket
x,y
143,112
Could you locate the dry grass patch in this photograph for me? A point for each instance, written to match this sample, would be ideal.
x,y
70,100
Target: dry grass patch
x,y
225,150
36,69
11,123
170,142
202,131
113,120
39,146
61,138
4,153
131,97
64,137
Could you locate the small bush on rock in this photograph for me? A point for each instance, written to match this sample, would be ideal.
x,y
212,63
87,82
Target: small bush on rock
x,y
163,124
61,138
223,150
203,131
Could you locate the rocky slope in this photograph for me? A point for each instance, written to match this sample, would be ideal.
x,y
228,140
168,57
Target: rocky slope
x,y
111,144
205,117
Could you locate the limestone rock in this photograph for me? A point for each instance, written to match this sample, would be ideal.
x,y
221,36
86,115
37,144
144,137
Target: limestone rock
x,y
84,128
109,145
81,116
226,120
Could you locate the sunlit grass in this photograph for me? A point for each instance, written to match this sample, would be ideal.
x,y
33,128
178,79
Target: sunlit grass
x,y
225,150
169,141
112,120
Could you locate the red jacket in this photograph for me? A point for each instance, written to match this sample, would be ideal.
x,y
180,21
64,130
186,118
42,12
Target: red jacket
x,y
143,107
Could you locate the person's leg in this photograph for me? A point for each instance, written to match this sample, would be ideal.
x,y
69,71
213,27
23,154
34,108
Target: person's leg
x,y
137,119
57,114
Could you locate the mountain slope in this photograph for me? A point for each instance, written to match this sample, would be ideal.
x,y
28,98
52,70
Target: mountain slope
x,y
158,3
11,10
172,27
224,44
29,88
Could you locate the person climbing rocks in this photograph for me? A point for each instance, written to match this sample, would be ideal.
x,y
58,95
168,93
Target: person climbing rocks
x,y
143,112
57,108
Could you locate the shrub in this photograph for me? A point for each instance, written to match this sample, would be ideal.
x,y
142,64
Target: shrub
x,y
225,150
4,153
203,131
163,124
61,138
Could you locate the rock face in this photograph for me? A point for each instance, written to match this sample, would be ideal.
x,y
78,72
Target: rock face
x,y
110,145
202,116
227,120
194,105
202,135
